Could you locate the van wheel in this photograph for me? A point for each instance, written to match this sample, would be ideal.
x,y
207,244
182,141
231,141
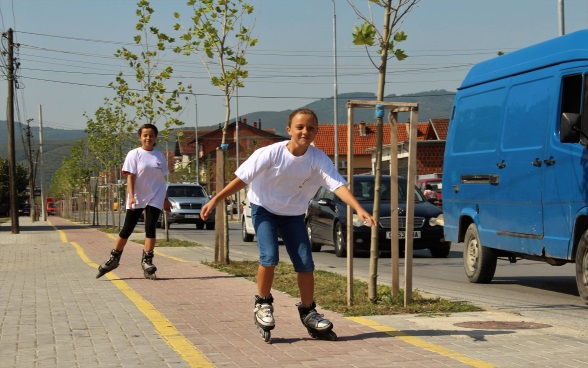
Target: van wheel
x,y
339,241
244,234
313,246
582,267
479,262
441,250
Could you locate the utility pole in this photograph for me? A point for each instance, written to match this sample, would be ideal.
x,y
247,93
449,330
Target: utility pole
x,y
335,113
44,210
31,172
560,12
11,151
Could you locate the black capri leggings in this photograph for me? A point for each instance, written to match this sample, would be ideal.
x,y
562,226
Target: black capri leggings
x,y
132,217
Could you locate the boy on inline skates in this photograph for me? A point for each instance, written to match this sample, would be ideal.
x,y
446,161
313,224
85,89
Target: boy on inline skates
x,y
282,178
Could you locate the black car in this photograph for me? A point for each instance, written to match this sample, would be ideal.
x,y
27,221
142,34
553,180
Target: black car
x,y
24,209
326,219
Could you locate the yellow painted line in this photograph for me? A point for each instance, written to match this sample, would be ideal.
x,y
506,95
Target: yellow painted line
x,y
163,326
421,343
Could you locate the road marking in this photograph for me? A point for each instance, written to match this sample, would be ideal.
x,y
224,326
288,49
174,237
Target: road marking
x,y
421,343
174,338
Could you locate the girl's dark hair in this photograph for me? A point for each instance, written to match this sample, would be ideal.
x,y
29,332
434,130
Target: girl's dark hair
x,y
149,126
302,111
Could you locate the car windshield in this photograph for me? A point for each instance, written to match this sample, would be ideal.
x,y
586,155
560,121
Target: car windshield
x,y
185,191
363,190
52,205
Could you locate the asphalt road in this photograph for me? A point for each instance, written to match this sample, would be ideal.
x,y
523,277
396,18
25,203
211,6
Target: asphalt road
x,y
531,289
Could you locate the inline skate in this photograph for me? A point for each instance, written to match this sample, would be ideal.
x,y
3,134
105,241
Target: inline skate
x,y
263,316
318,327
148,266
110,264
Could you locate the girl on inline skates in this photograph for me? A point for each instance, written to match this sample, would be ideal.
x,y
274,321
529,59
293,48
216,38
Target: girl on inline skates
x,y
146,169
282,178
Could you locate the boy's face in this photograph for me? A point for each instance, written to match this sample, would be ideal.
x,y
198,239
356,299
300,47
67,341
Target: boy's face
x,y
147,139
303,129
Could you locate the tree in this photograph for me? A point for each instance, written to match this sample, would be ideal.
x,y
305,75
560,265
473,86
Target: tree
x,y
21,182
152,101
220,39
386,41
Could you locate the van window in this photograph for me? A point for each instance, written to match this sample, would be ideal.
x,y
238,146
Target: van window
x,y
571,94
528,107
477,127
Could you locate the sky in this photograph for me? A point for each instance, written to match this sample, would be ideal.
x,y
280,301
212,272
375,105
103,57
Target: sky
x,y
66,52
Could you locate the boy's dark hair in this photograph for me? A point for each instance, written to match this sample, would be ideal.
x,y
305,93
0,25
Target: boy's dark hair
x,y
304,111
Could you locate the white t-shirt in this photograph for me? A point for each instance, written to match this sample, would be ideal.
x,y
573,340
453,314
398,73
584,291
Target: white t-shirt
x,y
283,183
150,167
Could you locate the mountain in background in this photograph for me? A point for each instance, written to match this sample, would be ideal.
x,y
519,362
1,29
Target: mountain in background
x,y
57,142
432,104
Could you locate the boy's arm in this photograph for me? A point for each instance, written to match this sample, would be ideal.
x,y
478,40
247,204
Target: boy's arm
x,y
233,187
346,196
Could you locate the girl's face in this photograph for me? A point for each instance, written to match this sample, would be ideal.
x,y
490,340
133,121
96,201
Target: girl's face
x,y
302,130
147,139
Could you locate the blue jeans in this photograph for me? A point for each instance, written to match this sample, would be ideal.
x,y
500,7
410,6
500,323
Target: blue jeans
x,y
292,230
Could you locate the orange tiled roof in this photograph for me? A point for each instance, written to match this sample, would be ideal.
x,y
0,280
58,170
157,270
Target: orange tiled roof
x,y
441,126
326,133
186,143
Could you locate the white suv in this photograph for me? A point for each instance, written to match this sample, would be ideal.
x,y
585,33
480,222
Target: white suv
x,y
187,201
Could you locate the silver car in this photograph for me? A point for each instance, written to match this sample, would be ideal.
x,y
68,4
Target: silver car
x,y
187,201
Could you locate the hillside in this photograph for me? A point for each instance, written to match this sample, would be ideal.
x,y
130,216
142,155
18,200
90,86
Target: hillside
x,y
432,104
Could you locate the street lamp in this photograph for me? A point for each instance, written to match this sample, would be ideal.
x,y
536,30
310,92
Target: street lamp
x,y
335,115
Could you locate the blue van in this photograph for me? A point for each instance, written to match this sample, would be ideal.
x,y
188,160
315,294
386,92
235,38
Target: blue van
x,y
515,176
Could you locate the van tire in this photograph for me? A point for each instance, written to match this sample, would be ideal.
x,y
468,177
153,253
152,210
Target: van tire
x,y
582,267
479,262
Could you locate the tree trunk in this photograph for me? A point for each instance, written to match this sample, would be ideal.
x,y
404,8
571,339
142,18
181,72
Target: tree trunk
x,y
374,251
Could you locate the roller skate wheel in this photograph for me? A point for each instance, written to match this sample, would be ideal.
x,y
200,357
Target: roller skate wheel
x,y
331,336
267,335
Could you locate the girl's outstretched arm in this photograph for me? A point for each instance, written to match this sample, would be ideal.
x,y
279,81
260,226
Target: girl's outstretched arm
x,y
346,196
233,187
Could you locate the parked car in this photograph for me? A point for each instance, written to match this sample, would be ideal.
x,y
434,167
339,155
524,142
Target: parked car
x,y
247,230
187,201
51,208
24,209
326,220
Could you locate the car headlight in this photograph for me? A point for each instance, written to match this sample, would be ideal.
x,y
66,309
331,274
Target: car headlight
x,y
437,221
358,222
175,205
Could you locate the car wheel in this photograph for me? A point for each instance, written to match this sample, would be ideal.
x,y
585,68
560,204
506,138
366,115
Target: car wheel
x,y
441,250
199,225
339,241
479,262
244,234
314,246
210,225
582,267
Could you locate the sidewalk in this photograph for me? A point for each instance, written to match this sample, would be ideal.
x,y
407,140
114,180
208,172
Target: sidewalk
x,y
54,313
